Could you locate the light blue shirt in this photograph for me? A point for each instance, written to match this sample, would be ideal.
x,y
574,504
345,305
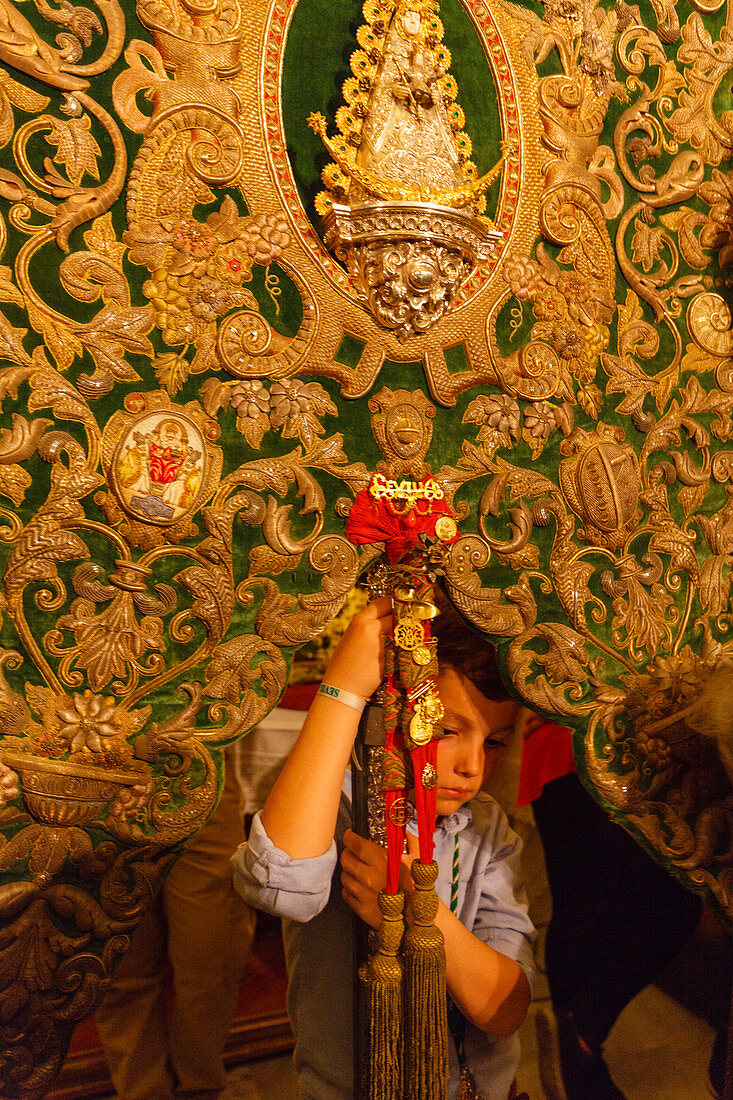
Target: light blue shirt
x,y
319,941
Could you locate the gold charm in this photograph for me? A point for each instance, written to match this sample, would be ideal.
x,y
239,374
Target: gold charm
x,y
429,777
446,529
421,655
429,712
400,812
434,709
421,728
408,633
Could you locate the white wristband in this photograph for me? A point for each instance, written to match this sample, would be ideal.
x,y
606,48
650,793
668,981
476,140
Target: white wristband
x,y
341,696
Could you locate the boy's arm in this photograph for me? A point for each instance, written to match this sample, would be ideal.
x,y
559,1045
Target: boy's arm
x,y
490,988
300,814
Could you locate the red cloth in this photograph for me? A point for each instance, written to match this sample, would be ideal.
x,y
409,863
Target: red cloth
x,y
298,696
547,754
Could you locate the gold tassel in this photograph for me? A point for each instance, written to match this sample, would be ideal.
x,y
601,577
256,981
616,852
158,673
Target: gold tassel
x,y
383,977
426,1038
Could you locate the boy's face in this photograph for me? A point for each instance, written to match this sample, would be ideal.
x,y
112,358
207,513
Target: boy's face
x,y
476,729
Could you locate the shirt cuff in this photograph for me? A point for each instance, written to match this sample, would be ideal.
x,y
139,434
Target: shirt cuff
x,y
268,878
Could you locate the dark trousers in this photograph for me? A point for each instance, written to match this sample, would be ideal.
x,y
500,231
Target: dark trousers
x,y
618,917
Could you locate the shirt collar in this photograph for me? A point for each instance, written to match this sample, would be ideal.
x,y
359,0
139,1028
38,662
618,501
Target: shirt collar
x,y
456,822
450,824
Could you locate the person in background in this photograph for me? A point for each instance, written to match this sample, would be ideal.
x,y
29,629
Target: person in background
x,y
170,1004
618,918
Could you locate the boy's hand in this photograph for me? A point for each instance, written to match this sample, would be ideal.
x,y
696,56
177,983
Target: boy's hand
x,y
357,663
364,874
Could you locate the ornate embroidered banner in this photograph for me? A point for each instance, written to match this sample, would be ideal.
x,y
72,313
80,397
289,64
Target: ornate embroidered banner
x,y
197,376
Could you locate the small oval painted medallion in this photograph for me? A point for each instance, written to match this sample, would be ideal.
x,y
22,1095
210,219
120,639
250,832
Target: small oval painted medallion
x,y
159,467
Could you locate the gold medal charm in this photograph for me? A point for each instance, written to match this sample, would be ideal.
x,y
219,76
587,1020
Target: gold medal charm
x,y
409,633
429,777
428,713
421,728
434,709
446,529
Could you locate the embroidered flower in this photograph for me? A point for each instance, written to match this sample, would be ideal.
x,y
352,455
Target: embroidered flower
x,y
498,416
550,305
597,60
87,721
250,399
295,407
130,800
524,277
539,420
209,300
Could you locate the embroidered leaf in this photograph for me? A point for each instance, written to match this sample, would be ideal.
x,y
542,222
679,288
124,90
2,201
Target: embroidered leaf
x,y
696,359
102,239
20,441
230,672
590,400
214,396
11,343
10,380
625,376
50,389
8,290
664,387
57,337
672,79
206,357
641,616
14,482
685,221
692,497
566,657
680,548
7,121
493,495
526,558
646,244
115,331
266,560
572,584
76,147
524,482
635,335
20,96
171,370
314,499
253,428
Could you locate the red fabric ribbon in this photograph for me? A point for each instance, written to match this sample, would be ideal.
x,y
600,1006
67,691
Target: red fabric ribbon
x,y
388,521
397,514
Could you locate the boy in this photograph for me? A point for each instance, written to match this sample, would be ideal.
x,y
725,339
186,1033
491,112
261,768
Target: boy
x,y
287,866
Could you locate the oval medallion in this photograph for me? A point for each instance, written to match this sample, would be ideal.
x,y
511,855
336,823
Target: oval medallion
x,y
608,485
159,467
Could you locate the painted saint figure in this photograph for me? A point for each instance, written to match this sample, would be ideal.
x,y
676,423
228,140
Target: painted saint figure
x,y
161,470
